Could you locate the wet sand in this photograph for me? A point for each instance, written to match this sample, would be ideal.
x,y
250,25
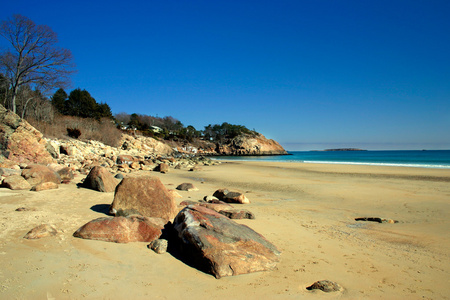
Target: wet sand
x,y
306,210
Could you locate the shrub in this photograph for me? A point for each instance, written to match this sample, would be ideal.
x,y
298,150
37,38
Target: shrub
x,y
73,132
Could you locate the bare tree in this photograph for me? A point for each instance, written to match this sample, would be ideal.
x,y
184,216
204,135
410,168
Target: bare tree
x,y
33,58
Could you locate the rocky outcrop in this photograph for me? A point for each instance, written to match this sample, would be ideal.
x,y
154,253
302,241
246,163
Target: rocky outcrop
x,y
217,245
122,229
20,142
147,195
246,144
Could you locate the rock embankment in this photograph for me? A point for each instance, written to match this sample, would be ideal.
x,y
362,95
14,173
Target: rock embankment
x,y
250,145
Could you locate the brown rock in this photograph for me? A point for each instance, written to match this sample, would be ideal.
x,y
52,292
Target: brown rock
x,y
16,182
124,159
163,168
99,179
66,174
45,186
145,194
21,142
159,246
36,174
230,197
122,229
187,187
220,246
41,231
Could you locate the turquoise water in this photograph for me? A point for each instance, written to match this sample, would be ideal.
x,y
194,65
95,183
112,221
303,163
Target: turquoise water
x,y
408,158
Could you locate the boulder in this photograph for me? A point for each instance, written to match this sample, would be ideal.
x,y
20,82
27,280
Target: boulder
x,y
36,174
44,186
99,179
21,142
220,246
163,168
122,229
9,171
66,174
145,194
187,187
16,182
41,231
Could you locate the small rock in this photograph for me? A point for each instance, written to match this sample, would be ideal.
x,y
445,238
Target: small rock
x,y
376,219
187,187
159,246
41,231
44,186
325,285
16,182
237,214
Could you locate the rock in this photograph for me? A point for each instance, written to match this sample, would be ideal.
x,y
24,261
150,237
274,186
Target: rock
x,y
135,165
325,285
220,246
250,144
124,159
159,246
66,174
127,212
45,186
119,176
25,209
122,229
237,214
163,168
41,231
210,199
230,197
187,187
99,179
377,219
16,182
145,194
36,174
8,172
21,142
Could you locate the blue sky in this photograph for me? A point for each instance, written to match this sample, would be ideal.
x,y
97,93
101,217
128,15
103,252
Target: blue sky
x,y
309,74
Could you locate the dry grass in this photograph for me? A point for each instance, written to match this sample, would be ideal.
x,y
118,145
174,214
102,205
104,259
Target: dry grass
x,y
103,131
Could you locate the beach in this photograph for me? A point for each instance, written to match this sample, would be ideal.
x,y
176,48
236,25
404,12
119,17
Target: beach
x,y
307,210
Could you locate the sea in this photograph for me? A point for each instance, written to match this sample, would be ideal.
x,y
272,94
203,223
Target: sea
x,y
400,158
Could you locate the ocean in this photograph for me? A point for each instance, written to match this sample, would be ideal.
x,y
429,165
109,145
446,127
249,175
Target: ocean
x,y
400,158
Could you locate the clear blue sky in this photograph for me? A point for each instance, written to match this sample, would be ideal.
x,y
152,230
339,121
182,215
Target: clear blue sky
x,y
310,74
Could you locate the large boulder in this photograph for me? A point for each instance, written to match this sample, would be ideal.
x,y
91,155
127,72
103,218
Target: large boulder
x,y
145,194
122,229
220,246
36,174
100,179
21,142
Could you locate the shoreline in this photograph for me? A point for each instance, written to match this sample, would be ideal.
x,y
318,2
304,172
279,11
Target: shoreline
x,y
306,210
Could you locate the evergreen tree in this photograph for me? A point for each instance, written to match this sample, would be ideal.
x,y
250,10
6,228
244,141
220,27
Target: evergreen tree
x,y
58,100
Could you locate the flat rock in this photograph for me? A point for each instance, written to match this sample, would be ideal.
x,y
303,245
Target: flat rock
x,y
16,182
376,219
100,179
122,229
219,246
147,195
237,214
45,186
43,230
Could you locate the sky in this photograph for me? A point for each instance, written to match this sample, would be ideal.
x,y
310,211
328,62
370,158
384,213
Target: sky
x,y
310,74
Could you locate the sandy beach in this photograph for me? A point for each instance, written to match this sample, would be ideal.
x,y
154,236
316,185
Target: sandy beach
x,y
307,210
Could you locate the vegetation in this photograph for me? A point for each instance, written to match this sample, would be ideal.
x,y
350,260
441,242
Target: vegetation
x,y
33,61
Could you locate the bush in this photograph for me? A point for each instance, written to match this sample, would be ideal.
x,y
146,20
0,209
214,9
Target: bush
x,y
73,132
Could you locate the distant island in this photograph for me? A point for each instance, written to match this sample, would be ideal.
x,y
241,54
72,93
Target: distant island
x,y
345,149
